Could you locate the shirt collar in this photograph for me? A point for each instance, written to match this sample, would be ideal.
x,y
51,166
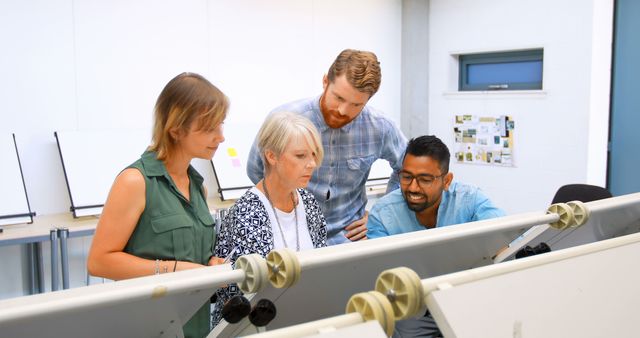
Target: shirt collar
x,y
319,121
444,200
155,167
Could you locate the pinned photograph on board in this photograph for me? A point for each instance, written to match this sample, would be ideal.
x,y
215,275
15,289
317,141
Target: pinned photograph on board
x,y
497,158
459,119
506,158
502,125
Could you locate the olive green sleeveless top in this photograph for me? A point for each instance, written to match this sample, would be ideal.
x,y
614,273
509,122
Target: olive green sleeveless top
x,y
174,228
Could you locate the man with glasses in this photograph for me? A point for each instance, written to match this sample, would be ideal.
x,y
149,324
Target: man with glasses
x,y
427,197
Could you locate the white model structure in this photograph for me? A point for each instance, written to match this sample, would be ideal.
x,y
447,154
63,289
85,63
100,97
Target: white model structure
x,y
153,306
369,315
312,285
589,290
558,294
583,223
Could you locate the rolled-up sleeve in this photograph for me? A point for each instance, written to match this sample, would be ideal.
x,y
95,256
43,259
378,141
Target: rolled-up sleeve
x,y
375,228
484,208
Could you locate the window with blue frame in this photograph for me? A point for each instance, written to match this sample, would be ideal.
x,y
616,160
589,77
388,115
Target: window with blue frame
x,y
518,70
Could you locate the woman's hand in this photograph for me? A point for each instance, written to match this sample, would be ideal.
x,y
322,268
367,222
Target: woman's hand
x,y
215,261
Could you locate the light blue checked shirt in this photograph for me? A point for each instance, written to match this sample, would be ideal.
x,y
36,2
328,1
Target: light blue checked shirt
x,y
339,182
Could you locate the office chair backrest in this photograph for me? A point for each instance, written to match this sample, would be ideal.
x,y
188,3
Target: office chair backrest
x,y
580,192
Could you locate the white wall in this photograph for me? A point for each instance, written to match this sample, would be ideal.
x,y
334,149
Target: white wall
x,y
415,68
561,131
91,64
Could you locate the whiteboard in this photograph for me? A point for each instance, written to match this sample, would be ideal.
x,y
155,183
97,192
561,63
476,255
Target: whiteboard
x,y
593,295
14,203
91,160
230,161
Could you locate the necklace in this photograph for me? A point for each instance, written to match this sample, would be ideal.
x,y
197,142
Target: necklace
x,y
295,213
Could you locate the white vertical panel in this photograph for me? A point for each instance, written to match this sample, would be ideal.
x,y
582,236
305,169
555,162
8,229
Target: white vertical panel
x,y
38,91
265,54
36,64
373,25
551,128
128,50
261,54
13,200
600,96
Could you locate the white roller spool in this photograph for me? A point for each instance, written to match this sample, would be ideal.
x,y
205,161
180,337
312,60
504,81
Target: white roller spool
x,y
255,270
580,212
403,288
284,268
373,305
565,213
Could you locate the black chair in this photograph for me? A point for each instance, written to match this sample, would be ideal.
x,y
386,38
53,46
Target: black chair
x,y
580,192
567,193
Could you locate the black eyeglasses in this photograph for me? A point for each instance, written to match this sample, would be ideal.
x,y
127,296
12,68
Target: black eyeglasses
x,y
424,180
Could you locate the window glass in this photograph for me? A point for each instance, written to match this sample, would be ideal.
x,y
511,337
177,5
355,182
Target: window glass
x,y
501,71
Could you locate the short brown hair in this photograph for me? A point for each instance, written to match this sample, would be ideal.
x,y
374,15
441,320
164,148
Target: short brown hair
x,y
361,68
186,99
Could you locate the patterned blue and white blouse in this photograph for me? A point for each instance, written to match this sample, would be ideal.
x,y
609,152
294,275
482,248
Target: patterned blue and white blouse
x,y
247,228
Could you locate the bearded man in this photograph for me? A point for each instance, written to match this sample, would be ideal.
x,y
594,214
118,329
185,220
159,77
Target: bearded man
x,y
428,197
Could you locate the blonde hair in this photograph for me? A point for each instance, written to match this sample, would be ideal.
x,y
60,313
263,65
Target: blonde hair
x,y
361,69
281,128
188,98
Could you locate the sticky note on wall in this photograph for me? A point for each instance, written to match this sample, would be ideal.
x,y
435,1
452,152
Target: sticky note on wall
x,y
232,152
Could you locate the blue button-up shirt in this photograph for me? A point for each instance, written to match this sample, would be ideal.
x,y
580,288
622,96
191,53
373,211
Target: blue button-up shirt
x,y
461,203
339,182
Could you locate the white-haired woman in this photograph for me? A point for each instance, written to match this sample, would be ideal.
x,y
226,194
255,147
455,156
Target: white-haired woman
x,y
278,212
